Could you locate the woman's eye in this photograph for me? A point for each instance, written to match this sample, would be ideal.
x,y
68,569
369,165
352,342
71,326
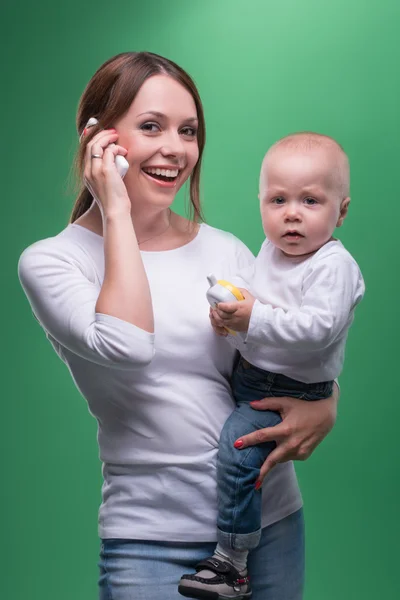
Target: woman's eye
x,y
189,131
278,200
150,127
310,201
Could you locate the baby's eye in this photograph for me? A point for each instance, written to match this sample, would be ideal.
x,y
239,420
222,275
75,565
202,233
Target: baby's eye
x,y
150,127
189,131
310,201
278,200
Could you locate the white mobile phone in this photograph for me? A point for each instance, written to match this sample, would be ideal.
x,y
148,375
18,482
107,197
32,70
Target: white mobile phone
x,y
122,165
120,162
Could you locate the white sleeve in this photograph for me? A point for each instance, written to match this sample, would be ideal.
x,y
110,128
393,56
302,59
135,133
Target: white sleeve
x,y
331,290
63,300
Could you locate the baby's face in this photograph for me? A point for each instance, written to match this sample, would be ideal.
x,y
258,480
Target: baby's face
x,y
300,199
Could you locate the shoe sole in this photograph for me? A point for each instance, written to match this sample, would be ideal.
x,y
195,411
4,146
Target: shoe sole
x,y
190,592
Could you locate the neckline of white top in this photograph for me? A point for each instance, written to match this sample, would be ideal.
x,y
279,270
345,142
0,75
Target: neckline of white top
x,y
100,239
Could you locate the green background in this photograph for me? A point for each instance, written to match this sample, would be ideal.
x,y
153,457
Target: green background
x,y
264,69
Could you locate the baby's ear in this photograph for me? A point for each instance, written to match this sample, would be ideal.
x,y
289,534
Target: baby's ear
x,y
344,209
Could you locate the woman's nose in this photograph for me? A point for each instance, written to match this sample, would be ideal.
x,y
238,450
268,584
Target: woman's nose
x,y
173,145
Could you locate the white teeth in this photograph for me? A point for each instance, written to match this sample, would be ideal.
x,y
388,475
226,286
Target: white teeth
x,y
163,172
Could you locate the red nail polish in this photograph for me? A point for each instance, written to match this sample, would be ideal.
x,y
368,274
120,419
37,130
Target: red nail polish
x,y
238,444
258,485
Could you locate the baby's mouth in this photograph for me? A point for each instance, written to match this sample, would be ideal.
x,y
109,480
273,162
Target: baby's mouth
x,y
168,175
293,234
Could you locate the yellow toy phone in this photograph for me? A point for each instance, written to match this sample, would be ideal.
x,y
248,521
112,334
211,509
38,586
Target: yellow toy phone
x,y
222,291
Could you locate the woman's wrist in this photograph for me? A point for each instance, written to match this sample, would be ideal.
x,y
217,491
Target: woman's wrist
x,y
117,215
335,392
117,224
331,404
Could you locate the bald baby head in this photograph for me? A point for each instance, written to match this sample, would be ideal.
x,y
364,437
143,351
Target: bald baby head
x,y
304,191
323,147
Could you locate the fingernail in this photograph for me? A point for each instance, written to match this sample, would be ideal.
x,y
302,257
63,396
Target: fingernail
x,y
258,485
85,131
238,444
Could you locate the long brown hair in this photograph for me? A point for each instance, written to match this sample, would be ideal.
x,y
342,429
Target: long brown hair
x,y
108,96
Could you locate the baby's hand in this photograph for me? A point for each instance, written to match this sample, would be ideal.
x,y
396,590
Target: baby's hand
x,y
235,315
218,330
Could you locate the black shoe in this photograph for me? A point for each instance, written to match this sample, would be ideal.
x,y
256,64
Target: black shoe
x,y
226,584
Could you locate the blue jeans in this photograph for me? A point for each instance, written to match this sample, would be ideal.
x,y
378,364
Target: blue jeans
x,y
145,570
239,503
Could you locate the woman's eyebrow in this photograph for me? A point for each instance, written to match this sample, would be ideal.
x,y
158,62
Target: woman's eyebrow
x,y
162,116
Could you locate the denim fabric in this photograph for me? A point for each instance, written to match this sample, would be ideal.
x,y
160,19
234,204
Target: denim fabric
x,y
239,503
146,570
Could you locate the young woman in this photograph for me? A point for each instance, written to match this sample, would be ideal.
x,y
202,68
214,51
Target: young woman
x,y
120,293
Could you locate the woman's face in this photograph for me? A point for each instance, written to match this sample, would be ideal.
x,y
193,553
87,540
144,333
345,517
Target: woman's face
x,y
160,133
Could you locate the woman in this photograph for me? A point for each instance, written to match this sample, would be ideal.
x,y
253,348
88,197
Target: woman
x,y
120,293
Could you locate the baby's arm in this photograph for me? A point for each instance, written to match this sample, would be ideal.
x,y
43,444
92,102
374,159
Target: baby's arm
x,y
331,290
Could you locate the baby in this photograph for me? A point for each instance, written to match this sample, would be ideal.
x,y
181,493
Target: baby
x,y
300,295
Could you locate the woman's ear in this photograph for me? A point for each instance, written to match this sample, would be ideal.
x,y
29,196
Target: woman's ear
x,y
91,123
344,208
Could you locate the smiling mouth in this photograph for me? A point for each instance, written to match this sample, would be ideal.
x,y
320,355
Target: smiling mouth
x,y
167,175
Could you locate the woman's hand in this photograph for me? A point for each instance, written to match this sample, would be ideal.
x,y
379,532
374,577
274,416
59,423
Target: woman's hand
x,y
101,175
304,426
